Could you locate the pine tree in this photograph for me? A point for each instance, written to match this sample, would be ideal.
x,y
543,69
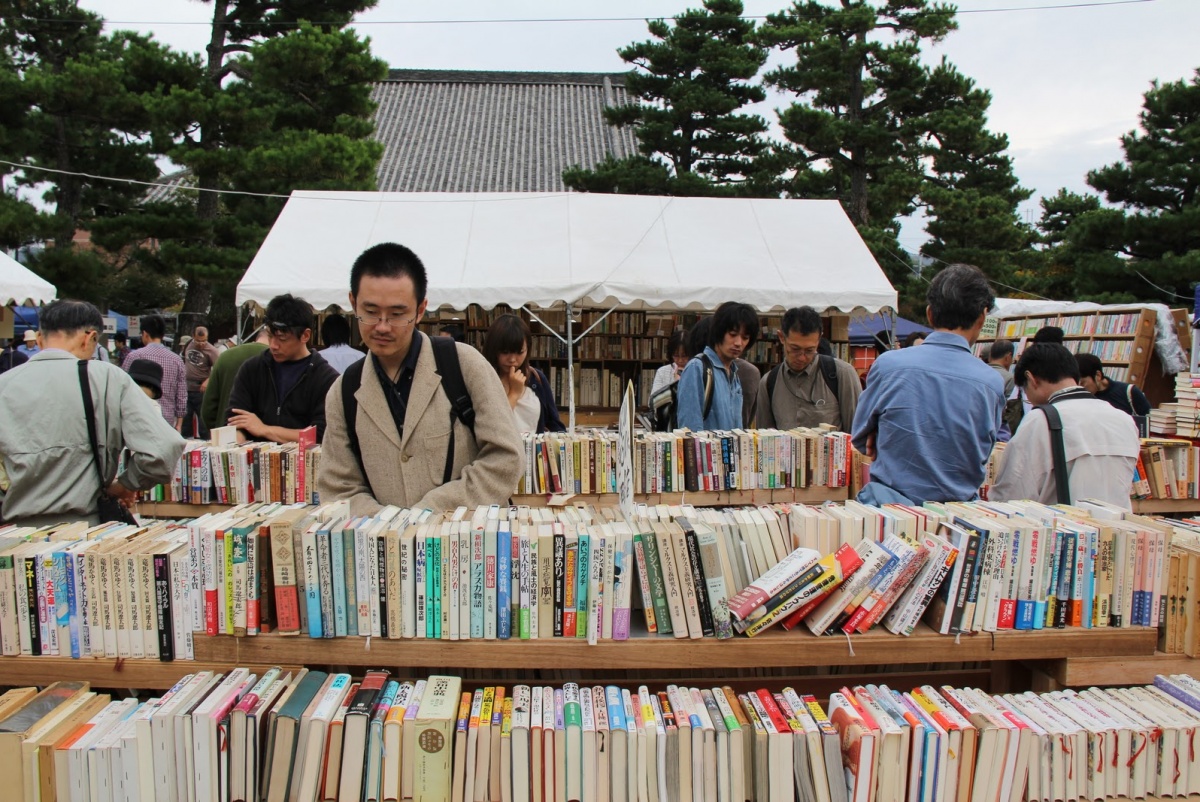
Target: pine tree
x,y
689,81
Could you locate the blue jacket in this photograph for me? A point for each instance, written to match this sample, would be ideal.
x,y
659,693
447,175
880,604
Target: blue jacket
x,y
726,411
548,420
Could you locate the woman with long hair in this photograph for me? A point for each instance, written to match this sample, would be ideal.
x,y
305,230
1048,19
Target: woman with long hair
x,y
529,395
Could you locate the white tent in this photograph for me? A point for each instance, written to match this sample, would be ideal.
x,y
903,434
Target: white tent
x,y
579,249
20,286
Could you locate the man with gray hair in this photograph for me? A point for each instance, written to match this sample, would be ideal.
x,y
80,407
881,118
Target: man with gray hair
x,y
45,447
929,415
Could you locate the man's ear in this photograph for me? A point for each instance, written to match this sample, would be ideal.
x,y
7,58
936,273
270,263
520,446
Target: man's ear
x,y
929,316
353,306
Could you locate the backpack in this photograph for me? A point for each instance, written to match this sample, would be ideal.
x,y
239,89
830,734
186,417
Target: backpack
x,y
827,366
665,403
445,357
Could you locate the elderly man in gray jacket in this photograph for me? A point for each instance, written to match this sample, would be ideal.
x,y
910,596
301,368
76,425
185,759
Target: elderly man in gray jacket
x,y
44,443
402,445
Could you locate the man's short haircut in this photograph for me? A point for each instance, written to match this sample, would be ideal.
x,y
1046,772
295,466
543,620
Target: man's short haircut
x,y
732,316
454,332
120,338
389,260
958,295
911,339
1050,362
68,317
335,330
1048,334
697,337
677,341
200,331
803,320
290,311
155,326
1088,364
1001,349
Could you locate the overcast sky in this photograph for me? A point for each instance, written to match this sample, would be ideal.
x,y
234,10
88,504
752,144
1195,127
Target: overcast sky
x,y
1066,82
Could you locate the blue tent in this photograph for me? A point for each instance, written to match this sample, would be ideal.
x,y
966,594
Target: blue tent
x,y
864,330
26,317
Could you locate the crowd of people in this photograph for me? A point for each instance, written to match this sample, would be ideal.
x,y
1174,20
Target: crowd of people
x,y
428,421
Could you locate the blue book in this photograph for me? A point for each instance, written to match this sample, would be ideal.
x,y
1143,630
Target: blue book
x,y
1089,578
433,570
504,580
350,582
582,583
373,776
312,581
616,708
337,556
1025,607
65,603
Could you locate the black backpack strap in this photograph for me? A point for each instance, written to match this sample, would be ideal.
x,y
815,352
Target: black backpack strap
x,y
89,413
828,367
708,384
445,356
772,379
351,381
1058,451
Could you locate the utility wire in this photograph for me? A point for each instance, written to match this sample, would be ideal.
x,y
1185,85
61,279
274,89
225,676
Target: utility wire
x,y
589,20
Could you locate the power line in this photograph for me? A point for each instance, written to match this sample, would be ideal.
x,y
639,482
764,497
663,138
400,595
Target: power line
x,y
586,20
189,188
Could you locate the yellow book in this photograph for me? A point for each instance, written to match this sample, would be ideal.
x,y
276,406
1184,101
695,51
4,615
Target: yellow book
x,y
435,722
483,750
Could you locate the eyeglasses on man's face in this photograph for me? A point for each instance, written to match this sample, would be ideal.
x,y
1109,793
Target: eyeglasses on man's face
x,y
395,321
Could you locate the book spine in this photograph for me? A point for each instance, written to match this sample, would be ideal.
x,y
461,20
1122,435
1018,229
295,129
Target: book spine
x,y
697,574
504,565
312,583
583,580
560,572
162,607
658,590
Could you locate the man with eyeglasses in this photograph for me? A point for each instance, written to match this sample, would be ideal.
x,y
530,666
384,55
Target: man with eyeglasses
x,y
807,388
45,448
394,436
282,390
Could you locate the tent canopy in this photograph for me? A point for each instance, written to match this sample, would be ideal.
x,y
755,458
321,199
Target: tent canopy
x,y
21,286
865,330
545,250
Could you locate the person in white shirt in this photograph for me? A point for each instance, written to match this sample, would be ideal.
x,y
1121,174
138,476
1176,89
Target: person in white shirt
x,y
1100,443
335,333
677,359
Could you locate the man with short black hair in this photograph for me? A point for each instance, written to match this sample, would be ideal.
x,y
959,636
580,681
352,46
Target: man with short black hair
x,y
174,397
282,390
929,415
1100,444
422,422
1000,357
807,388
44,442
335,334
1126,397
706,404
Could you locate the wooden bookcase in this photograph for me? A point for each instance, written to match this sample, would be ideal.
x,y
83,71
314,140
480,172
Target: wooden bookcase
x,y
624,346
1122,338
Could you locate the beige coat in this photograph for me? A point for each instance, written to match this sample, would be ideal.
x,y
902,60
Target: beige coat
x,y
407,472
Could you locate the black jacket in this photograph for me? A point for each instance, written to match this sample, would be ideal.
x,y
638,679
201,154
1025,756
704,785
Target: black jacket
x,y
304,405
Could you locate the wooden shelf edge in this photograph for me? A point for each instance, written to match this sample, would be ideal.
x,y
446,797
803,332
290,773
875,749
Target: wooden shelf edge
x,y
109,673
773,649
1143,506
1077,672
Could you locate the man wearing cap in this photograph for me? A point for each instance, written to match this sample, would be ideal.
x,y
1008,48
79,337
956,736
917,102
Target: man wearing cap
x,y
282,390
30,346
173,402
147,375
220,383
44,440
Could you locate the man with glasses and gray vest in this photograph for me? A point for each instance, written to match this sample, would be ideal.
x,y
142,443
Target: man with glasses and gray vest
x,y
421,422
807,388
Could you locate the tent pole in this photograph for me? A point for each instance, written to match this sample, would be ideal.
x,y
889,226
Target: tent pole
x,y
570,369
239,324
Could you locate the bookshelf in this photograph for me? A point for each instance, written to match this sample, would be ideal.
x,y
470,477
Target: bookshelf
x,y
1122,338
621,346
1083,672
774,649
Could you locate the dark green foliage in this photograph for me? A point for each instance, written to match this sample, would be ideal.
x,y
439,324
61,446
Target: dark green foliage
x,y
690,80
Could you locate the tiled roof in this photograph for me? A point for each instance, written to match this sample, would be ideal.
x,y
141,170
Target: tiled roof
x,y
465,131
167,186
459,131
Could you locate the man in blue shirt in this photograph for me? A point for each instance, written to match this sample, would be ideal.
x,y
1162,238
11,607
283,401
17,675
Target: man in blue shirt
x,y
929,415
734,329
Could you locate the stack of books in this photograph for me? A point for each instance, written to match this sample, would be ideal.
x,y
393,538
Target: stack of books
x,y
314,736
1167,468
1187,402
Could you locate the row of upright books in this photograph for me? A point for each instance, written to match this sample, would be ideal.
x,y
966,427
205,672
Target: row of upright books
x,y
684,461
1167,468
584,573
312,736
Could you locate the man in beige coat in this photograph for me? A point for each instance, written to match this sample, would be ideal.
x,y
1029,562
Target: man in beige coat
x,y
403,420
